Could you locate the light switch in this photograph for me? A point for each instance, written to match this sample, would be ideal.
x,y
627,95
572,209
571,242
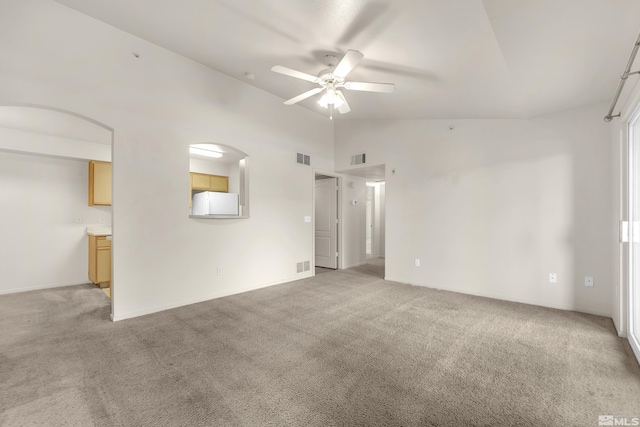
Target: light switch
x,y
307,219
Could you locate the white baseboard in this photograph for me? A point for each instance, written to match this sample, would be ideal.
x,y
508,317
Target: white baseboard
x,y
40,287
503,298
635,346
208,297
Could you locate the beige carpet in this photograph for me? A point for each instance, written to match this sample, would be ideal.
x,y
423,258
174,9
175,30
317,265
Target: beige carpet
x,y
344,348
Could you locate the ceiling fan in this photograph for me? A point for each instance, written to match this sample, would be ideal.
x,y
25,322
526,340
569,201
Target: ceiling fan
x,y
331,80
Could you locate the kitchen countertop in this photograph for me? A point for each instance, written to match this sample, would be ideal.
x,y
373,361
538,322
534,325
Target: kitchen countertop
x,y
99,231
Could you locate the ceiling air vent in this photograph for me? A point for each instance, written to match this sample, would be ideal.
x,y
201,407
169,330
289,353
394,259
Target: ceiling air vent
x,y
359,159
303,159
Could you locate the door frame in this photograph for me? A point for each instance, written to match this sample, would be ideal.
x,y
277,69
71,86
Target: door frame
x,y
313,216
633,277
371,213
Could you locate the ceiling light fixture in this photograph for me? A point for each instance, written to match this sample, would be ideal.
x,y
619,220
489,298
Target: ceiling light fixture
x,y
331,96
204,152
331,99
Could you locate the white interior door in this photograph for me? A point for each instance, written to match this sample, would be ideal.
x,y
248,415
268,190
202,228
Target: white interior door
x,y
326,223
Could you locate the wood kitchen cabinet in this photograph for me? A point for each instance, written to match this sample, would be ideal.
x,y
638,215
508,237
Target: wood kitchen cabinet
x,y
100,260
99,183
204,182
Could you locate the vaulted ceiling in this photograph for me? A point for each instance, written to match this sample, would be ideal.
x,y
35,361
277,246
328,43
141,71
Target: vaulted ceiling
x,y
447,58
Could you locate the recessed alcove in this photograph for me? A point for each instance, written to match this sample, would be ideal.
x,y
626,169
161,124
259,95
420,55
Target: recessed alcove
x,y
218,181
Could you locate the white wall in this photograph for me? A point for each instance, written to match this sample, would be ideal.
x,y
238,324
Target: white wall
x,y
41,199
209,167
158,105
494,206
21,141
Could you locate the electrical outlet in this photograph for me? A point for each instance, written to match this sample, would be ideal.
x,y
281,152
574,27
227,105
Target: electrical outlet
x,y
416,262
219,271
79,220
588,281
553,278
102,219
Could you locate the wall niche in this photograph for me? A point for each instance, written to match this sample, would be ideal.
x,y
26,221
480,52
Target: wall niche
x,y
218,181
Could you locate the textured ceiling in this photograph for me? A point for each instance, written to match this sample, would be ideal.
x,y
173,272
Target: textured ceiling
x,y
447,58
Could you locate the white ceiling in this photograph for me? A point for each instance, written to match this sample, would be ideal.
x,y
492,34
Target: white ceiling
x,y
448,58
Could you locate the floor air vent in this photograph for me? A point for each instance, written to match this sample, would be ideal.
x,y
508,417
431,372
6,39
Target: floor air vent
x,y
303,266
359,159
303,159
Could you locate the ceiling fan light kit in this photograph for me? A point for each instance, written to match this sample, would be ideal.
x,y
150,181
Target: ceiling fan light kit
x,y
331,80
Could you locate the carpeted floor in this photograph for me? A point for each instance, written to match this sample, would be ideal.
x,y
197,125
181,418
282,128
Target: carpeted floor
x,y
344,348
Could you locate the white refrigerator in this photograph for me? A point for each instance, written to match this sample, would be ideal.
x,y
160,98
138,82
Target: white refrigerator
x,y
215,203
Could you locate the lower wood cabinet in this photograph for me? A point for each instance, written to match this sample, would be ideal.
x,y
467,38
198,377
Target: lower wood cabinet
x,y
100,260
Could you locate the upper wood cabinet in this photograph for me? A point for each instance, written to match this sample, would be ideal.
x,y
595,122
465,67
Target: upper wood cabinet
x,y
204,182
99,183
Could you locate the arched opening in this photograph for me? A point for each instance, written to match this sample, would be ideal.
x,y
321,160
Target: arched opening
x,y
44,176
218,181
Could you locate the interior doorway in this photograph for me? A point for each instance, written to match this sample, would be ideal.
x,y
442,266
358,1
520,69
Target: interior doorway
x,y
326,221
369,221
633,195
375,221
49,155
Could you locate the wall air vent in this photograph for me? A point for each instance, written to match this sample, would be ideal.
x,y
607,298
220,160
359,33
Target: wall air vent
x,y
303,266
303,159
359,159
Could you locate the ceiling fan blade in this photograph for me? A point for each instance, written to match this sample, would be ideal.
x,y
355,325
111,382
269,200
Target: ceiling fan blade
x,y
344,108
293,73
303,96
370,87
347,63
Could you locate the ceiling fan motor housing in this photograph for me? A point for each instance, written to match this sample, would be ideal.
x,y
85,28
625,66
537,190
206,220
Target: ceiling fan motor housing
x,y
327,75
